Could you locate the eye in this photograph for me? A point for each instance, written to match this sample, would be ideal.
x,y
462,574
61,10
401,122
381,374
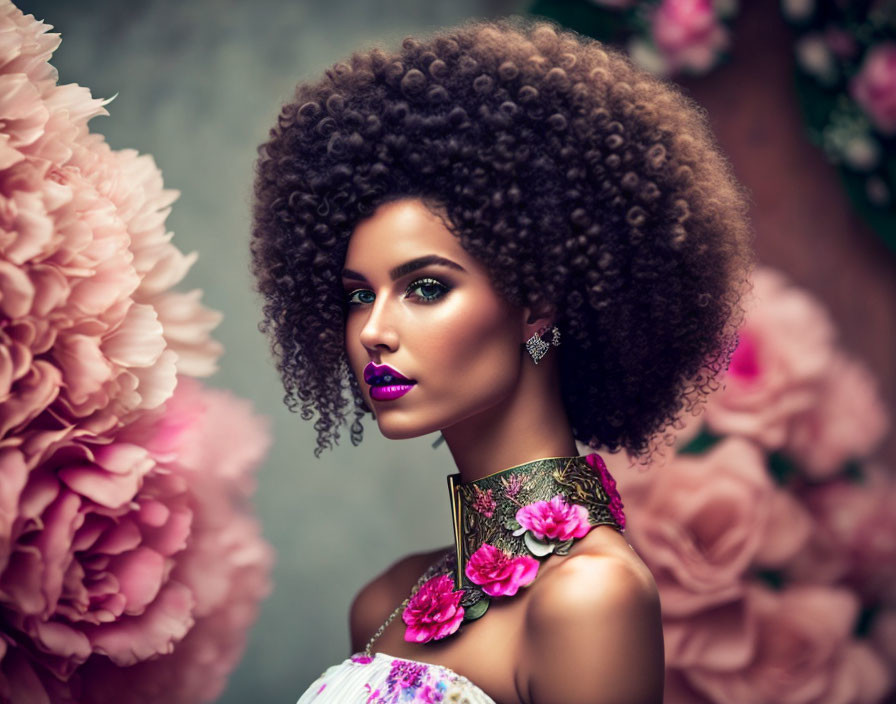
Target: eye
x,y
359,296
430,289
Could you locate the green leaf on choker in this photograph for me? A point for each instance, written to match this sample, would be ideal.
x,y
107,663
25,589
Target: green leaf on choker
x,y
471,613
563,548
536,546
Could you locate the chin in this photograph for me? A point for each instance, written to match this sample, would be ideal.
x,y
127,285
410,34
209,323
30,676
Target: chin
x,y
397,430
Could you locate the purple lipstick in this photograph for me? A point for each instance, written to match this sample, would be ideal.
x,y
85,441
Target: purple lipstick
x,y
386,383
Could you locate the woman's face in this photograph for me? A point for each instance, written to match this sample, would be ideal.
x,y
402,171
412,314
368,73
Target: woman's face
x,y
420,304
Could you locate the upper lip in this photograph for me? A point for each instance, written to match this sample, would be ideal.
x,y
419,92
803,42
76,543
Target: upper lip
x,y
375,374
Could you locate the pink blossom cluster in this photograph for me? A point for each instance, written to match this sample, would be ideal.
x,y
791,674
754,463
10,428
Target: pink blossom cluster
x,y
874,86
688,35
129,561
763,574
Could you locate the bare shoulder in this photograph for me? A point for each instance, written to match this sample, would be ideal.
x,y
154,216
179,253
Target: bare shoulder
x,y
379,597
593,629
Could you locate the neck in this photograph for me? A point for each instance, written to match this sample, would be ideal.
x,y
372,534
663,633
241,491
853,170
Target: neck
x,y
529,424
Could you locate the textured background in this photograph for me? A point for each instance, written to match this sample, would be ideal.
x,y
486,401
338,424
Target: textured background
x,y
199,82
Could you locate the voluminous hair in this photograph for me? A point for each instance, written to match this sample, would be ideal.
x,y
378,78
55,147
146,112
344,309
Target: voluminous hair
x,y
580,181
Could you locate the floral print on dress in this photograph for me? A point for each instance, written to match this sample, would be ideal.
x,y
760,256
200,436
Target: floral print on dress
x,y
410,682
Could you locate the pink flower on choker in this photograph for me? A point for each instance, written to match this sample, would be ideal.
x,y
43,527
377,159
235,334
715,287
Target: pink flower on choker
x,y
554,519
615,505
498,573
434,612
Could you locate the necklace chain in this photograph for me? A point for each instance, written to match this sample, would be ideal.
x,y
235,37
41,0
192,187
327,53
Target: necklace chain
x,y
430,572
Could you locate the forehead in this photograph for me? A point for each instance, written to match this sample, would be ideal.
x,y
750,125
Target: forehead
x,y
402,230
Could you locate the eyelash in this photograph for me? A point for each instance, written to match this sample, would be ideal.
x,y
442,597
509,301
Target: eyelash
x,y
426,280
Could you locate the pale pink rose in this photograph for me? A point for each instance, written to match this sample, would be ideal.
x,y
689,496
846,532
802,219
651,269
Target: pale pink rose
x,y
688,34
554,519
701,525
853,537
677,690
847,421
883,635
786,532
783,356
498,573
721,638
434,612
804,652
874,86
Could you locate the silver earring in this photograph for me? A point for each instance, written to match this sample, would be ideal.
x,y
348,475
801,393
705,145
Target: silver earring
x,y
538,348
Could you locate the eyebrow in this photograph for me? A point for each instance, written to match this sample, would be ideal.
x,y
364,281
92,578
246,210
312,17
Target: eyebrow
x,y
408,267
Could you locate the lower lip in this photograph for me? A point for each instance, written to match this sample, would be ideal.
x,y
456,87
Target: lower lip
x,y
389,392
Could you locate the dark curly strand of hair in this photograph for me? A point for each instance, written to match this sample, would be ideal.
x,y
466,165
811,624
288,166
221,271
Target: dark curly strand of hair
x,y
580,182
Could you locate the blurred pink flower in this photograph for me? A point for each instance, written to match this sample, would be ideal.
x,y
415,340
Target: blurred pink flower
x,y
554,519
784,354
688,34
883,635
804,653
853,537
874,86
847,421
91,334
124,529
136,550
721,638
705,519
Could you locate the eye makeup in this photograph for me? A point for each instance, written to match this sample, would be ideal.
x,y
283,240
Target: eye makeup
x,y
437,289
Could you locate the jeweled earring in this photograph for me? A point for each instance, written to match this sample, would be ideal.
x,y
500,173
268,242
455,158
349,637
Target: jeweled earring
x,y
537,347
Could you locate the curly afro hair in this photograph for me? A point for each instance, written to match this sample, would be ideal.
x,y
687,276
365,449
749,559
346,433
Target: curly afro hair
x,y
580,181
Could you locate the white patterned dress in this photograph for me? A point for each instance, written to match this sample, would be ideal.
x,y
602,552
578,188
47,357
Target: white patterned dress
x,y
384,679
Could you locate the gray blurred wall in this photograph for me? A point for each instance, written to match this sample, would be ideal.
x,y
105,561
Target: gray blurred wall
x,y
199,83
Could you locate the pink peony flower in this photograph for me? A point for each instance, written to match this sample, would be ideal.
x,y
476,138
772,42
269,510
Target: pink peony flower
x,y
160,567
874,86
804,653
783,357
434,612
498,573
596,462
92,331
554,519
704,521
124,535
847,421
688,34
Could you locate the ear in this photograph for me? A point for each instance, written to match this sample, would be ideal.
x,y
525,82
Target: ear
x,y
537,320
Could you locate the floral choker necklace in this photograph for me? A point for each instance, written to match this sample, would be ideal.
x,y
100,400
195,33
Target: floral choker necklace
x,y
504,524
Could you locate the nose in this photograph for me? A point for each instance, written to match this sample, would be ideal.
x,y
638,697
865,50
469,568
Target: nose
x,y
378,332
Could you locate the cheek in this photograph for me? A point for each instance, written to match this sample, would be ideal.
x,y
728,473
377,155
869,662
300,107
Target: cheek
x,y
476,353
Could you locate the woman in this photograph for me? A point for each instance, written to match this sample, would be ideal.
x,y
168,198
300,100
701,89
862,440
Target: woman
x,y
508,233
